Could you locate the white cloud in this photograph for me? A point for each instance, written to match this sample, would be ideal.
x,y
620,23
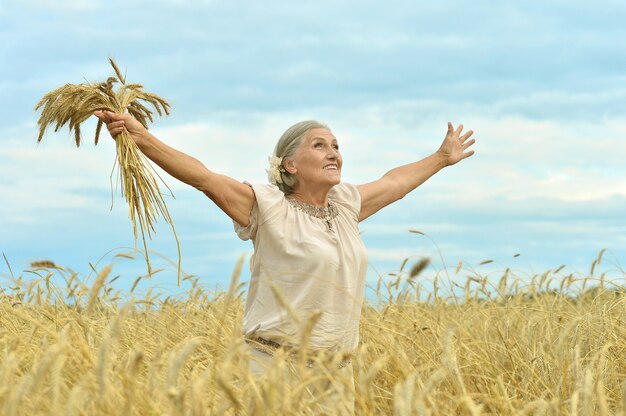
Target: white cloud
x,y
516,158
520,159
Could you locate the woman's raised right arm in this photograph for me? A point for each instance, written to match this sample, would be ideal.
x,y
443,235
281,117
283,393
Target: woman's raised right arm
x,y
236,199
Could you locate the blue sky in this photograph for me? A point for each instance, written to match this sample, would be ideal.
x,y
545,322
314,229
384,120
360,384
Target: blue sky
x,y
542,84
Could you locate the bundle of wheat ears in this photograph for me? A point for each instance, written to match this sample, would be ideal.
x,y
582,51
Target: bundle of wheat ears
x,y
72,104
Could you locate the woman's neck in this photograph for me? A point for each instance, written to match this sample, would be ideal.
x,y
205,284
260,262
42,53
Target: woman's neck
x,y
318,199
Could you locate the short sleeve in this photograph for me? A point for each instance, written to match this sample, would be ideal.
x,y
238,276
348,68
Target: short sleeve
x,y
269,201
348,196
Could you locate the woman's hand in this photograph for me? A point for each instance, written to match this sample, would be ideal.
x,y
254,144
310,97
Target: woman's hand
x,y
454,145
117,123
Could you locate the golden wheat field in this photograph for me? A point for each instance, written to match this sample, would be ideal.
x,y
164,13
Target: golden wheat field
x,y
554,345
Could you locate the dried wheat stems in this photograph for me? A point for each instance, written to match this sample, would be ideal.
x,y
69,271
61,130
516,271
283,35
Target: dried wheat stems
x,y
72,104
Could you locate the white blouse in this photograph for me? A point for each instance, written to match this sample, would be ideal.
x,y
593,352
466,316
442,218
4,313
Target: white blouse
x,y
313,263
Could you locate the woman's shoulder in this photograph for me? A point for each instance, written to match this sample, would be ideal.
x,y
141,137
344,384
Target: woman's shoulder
x,y
268,197
266,189
347,195
269,203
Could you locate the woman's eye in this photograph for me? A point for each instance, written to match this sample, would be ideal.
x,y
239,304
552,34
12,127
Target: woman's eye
x,y
318,145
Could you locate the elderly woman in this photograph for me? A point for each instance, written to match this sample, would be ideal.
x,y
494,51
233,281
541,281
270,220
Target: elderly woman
x,y
310,261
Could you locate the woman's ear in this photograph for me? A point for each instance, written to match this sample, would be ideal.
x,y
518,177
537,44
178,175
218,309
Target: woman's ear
x,y
290,167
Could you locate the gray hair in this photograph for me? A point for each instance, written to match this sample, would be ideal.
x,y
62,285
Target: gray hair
x,y
287,147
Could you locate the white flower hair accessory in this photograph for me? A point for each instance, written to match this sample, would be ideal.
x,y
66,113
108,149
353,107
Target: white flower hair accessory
x,y
276,166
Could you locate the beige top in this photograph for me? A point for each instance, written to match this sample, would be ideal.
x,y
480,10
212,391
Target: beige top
x,y
313,263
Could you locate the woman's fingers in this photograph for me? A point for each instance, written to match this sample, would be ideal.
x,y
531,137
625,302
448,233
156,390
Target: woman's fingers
x,y
466,136
115,122
468,144
108,116
455,133
452,132
115,127
102,115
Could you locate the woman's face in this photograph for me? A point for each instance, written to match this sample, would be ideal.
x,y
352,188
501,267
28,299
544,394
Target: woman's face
x,y
317,160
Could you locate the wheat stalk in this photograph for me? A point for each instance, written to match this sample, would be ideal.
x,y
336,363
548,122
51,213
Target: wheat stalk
x,y
72,104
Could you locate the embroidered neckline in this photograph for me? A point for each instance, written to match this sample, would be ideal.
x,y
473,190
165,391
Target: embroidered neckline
x,y
327,213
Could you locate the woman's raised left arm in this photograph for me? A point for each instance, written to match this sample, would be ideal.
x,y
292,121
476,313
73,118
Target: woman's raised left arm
x,y
398,182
